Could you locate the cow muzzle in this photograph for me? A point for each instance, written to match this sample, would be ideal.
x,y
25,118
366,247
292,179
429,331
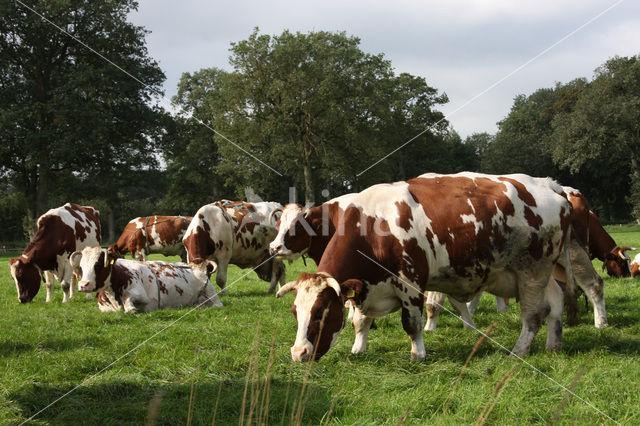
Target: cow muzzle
x,y
86,286
274,250
301,353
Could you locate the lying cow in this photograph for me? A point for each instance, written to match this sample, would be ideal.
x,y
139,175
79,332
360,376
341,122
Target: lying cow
x,y
635,266
61,231
457,234
307,231
141,286
234,232
153,234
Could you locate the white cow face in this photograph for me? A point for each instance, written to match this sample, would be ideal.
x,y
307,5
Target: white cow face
x,y
294,233
96,265
319,311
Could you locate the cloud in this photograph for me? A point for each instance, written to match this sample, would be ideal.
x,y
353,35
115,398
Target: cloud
x,y
461,47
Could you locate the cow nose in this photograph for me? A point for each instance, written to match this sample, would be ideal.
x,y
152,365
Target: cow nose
x,y
83,285
300,354
275,250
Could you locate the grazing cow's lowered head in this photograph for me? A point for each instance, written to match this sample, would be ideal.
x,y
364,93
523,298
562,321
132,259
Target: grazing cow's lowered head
x,y
635,266
319,311
27,277
294,232
617,262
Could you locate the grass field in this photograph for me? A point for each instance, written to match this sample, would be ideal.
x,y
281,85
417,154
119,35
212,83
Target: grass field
x,y
233,363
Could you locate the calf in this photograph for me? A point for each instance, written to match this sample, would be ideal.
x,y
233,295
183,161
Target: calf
x,y
457,234
234,232
141,286
61,231
153,234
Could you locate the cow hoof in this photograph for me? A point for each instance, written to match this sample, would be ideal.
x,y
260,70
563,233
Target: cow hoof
x,y
556,347
602,323
417,357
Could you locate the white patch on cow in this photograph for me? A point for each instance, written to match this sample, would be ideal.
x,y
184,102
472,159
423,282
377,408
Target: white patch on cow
x,y
12,269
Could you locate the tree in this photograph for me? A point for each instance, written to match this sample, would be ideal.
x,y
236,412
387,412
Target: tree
x,y
604,125
68,116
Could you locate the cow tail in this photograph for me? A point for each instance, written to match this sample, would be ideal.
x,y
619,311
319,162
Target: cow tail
x,y
571,301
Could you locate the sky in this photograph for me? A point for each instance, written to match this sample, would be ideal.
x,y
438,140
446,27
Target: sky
x,y
480,53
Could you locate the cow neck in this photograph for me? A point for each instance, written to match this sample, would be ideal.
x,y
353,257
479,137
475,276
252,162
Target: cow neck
x,y
118,279
319,242
600,243
43,249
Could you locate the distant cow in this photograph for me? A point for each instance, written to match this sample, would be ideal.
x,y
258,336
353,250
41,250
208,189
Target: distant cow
x,y
635,266
457,234
141,286
153,234
61,231
234,232
593,235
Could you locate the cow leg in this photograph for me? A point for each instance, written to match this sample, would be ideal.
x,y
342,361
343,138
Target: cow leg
x,y
136,300
209,296
276,273
50,282
590,282
361,324
465,315
472,305
501,304
412,324
595,294
534,308
554,297
221,276
435,300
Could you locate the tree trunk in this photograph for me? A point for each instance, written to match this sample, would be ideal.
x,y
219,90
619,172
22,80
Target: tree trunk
x,y
111,229
309,198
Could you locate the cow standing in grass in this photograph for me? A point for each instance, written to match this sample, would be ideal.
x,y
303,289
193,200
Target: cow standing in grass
x,y
307,231
61,231
234,232
141,286
153,234
457,234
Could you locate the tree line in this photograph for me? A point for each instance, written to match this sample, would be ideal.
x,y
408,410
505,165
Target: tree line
x,y
309,111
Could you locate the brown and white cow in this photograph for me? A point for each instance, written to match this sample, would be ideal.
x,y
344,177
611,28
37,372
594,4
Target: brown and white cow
x,y
635,266
599,243
457,234
141,286
61,231
234,232
307,231
153,234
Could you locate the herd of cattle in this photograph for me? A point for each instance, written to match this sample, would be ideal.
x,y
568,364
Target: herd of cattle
x,y
394,246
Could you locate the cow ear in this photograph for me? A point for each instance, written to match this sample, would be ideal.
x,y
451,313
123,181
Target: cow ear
x,y
14,261
211,267
75,258
352,289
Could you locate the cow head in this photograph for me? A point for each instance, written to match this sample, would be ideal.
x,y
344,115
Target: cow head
x,y
294,233
319,311
617,262
27,277
96,265
203,268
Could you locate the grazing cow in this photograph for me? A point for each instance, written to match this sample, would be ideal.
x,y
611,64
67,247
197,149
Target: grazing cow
x,y
635,266
457,234
307,231
153,234
599,243
141,286
61,231
234,232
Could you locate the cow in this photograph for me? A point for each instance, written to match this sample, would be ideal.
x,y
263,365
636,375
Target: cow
x,y
153,234
141,286
234,232
61,231
635,266
457,234
307,231
599,243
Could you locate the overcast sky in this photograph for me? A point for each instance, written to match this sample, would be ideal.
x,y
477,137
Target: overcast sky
x,y
460,47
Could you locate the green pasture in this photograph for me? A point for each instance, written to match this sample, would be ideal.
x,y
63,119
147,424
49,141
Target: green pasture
x,y
72,364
